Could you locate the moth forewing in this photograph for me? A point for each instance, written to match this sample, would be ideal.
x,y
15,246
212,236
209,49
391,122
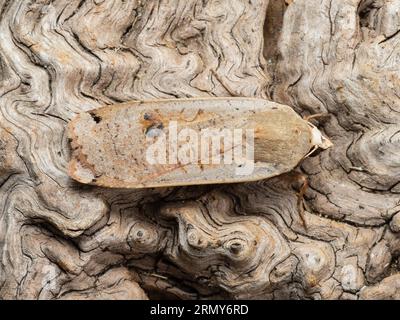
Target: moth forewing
x,y
161,143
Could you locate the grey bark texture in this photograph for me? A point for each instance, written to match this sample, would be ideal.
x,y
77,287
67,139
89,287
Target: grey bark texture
x,y
63,240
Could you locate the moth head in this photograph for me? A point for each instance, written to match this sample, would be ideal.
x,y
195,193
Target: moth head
x,y
318,139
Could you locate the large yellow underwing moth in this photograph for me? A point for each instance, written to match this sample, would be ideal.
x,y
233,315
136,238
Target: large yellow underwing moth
x,y
162,143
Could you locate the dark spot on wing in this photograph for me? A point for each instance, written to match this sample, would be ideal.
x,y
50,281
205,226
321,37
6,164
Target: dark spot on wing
x,y
95,117
154,130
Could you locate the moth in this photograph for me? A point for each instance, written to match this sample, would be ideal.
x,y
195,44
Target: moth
x,y
179,142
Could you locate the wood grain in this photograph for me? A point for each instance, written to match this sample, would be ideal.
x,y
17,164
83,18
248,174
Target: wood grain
x,y
60,240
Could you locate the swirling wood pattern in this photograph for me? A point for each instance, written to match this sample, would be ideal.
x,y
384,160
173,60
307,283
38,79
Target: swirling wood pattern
x,y
63,240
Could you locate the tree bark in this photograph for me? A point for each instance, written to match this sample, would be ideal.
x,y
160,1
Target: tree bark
x,y
63,240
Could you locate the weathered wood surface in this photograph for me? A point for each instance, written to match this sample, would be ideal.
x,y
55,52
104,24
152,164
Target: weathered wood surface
x,y
183,142
60,240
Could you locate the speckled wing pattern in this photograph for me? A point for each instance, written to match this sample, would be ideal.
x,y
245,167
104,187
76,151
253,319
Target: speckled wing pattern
x,y
110,144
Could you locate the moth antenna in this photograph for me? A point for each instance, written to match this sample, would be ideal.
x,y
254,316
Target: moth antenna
x,y
301,179
315,148
315,116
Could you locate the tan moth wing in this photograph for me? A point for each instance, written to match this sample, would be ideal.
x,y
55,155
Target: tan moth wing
x,y
111,144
